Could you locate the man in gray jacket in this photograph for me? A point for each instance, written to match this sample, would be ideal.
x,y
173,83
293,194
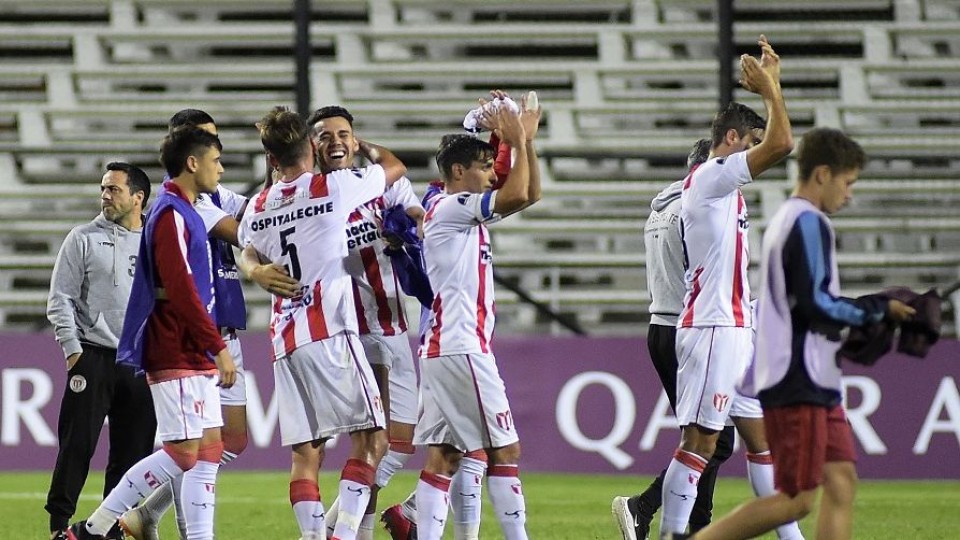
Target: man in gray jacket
x,y
88,298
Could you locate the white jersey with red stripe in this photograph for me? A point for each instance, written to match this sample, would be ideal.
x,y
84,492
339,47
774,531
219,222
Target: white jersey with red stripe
x,y
456,247
714,225
299,224
376,290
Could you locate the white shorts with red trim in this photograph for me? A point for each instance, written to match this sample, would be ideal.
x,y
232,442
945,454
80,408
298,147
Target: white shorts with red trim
x,y
187,406
236,395
464,403
711,360
325,388
395,353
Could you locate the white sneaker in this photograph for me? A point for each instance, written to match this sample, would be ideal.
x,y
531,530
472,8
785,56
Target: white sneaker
x,y
137,523
624,518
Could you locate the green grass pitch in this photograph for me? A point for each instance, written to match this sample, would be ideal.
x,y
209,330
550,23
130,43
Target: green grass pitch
x,y
254,506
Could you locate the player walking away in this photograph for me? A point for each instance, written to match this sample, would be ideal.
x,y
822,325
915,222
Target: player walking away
x,y
456,352
88,297
714,335
170,333
799,385
220,212
376,295
323,380
664,250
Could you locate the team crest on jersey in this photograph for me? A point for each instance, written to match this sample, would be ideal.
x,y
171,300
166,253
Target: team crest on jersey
x,y
357,172
462,199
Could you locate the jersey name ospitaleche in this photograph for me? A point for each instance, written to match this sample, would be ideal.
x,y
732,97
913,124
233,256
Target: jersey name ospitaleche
x,y
459,259
714,226
376,289
300,225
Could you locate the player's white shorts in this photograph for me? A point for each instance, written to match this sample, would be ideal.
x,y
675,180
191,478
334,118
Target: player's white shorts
x,y
395,353
464,403
236,395
325,388
711,360
186,406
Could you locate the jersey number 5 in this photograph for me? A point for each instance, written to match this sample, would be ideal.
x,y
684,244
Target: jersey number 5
x,y
289,248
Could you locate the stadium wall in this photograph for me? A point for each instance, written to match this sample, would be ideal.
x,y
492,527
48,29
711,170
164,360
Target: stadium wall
x,y
581,405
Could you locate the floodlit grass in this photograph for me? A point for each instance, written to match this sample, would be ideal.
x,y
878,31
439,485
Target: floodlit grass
x,y
255,506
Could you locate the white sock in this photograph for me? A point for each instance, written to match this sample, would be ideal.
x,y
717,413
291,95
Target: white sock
x,y
760,472
177,486
157,504
332,514
389,465
465,498
409,507
432,505
506,494
140,481
199,499
305,499
355,481
680,490
365,532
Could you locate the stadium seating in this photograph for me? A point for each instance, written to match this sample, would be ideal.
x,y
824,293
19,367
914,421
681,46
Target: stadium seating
x,y
627,85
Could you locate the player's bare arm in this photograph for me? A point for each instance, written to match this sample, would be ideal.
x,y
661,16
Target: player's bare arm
x,y
900,312
762,77
226,230
514,195
268,276
393,168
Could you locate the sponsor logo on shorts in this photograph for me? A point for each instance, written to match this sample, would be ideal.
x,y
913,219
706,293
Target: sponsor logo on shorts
x,y
78,383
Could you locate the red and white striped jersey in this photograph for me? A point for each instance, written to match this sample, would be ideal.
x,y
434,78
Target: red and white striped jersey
x,y
299,225
376,290
714,225
456,246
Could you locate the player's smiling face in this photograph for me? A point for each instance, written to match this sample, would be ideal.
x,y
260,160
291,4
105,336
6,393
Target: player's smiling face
x,y
336,144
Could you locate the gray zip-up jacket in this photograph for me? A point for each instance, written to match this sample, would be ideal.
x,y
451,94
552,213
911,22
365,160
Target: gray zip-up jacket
x,y
661,239
91,284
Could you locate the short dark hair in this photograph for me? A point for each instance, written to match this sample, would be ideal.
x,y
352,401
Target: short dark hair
x,y
736,116
183,142
462,149
830,147
284,135
190,117
330,111
699,153
137,180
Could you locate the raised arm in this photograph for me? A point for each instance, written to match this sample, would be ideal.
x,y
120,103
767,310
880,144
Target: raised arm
x,y
763,78
514,195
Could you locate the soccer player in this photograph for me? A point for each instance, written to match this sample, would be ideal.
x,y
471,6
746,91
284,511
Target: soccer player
x,y
714,334
799,320
376,295
170,333
456,352
88,297
666,286
323,380
220,212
